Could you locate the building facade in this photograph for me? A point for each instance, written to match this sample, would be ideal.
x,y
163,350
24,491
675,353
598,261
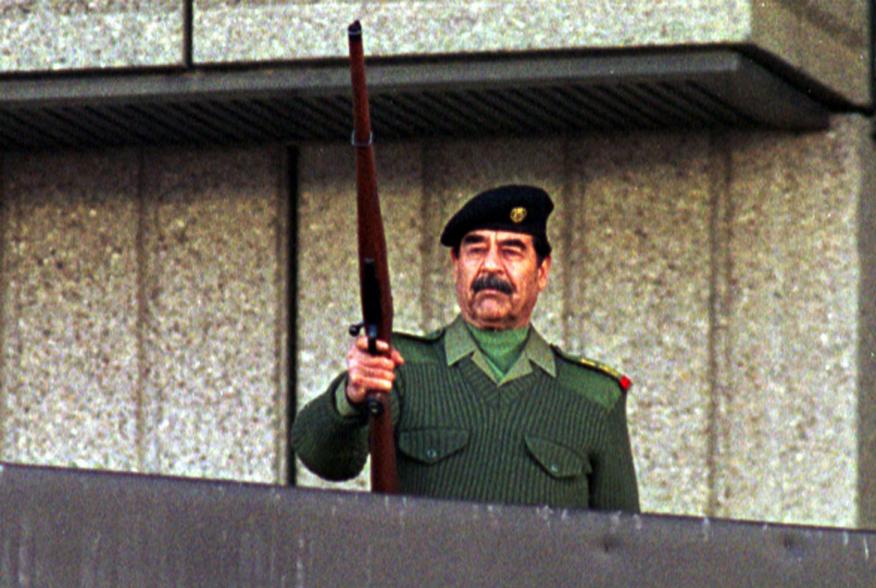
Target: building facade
x,y
173,287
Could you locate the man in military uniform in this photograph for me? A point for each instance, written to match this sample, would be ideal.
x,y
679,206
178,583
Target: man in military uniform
x,y
484,409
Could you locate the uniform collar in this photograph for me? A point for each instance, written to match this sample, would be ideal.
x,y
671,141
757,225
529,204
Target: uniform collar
x,y
458,343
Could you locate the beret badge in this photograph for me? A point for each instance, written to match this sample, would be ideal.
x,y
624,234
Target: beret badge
x,y
514,208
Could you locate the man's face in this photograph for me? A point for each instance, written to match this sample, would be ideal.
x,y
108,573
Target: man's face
x,y
498,278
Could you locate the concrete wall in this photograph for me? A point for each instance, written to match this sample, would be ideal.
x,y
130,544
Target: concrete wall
x,y
730,274
826,40
144,311
144,294
48,35
145,325
721,271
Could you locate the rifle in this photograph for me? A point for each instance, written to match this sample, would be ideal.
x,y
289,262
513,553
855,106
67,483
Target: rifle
x,y
373,269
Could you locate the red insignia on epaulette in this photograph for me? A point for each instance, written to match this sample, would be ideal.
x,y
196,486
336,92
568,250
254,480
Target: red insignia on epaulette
x,y
625,383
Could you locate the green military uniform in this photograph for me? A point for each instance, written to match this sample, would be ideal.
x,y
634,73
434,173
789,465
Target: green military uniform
x,y
551,430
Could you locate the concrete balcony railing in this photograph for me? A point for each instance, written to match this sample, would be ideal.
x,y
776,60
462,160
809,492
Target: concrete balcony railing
x,y
75,528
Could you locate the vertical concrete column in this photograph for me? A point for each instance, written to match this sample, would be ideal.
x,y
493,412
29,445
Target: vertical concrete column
x,y
214,342
866,489
328,282
788,424
69,382
638,298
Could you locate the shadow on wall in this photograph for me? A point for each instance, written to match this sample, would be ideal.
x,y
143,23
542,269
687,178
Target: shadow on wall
x,y
867,350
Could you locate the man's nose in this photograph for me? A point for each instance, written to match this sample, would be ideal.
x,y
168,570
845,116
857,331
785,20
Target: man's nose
x,y
491,259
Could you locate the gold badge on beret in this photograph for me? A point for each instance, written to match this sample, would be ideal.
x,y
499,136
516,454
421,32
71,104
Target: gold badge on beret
x,y
518,213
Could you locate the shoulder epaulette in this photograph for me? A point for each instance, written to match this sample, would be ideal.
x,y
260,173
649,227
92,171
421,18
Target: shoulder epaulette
x,y
623,381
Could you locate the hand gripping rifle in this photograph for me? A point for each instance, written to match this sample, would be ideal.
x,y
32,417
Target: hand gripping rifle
x,y
373,270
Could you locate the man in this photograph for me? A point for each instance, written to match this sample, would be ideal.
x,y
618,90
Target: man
x,y
485,409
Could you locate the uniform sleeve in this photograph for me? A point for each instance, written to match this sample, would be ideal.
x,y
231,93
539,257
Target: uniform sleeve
x,y
332,446
331,441
613,483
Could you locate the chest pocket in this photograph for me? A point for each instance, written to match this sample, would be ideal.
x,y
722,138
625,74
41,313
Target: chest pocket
x,y
555,459
429,446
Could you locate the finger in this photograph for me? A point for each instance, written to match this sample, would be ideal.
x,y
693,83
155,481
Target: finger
x,y
358,395
362,343
396,357
377,373
365,384
377,362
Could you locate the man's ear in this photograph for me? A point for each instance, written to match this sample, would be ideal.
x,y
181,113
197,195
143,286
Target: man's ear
x,y
543,271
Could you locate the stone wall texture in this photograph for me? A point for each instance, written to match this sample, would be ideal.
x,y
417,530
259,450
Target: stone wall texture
x,y
51,35
165,310
145,301
722,271
824,39
144,311
827,40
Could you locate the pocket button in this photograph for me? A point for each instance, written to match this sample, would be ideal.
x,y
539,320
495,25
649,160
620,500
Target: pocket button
x,y
431,453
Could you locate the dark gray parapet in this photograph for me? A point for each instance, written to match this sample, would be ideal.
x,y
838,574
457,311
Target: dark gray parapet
x,y
65,527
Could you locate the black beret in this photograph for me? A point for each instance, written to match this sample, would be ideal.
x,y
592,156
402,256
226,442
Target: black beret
x,y
520,209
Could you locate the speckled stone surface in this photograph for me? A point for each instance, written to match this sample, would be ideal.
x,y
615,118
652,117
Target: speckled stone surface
x,y
639,297
719,270
866,490
40,35
69,292
827,40
214,325
227,30
328,283
788,432
730,274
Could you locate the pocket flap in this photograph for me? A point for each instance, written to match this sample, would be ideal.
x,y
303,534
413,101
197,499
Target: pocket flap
x,y
431,445
557,460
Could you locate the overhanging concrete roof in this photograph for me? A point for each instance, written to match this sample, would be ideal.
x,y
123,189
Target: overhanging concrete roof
x,y
526,94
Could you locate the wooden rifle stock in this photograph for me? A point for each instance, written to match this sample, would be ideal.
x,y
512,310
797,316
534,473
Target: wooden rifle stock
x,y
373,269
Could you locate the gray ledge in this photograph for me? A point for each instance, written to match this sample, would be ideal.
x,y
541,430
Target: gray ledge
x,y
62,526
826,41
491,95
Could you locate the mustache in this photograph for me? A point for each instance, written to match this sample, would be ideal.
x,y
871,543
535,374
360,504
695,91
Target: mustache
x,y
491,282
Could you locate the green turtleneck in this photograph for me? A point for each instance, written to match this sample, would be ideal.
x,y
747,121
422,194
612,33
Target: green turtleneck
x,y
500,348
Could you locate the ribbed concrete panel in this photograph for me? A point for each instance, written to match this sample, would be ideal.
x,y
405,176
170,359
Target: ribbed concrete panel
x,y
70,374
638,297
41,35
328,274
214,326
866,441
230,31
825,41
789,416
